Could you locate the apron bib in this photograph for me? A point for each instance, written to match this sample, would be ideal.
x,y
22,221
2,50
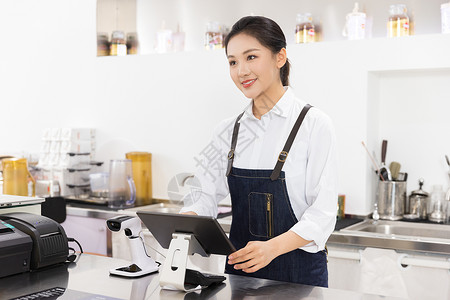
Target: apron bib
x,y
262,210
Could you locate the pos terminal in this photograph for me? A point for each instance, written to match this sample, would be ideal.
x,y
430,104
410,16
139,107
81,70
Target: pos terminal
x,y
185,235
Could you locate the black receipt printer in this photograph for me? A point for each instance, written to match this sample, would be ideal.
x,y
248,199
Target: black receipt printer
x,y
15,250
30,242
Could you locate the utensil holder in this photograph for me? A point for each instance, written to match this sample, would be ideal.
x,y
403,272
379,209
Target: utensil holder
x,y
391,197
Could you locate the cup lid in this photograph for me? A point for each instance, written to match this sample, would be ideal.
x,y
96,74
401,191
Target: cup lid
x,y
420,192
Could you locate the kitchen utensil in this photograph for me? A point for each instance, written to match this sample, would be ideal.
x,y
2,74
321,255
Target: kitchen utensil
x,y
375,165
142,176
122,191
417,202
394,167
401,176
391,197
16,177
384,171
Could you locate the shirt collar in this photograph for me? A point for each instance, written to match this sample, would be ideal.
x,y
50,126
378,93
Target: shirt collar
x,y
281,108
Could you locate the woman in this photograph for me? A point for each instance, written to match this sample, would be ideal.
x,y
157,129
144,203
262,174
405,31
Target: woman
x,y
280,166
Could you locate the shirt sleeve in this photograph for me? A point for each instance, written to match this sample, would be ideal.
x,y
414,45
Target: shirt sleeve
x,y
319,219
210,175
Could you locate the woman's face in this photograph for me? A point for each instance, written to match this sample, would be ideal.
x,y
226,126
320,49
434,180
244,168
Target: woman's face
x,y
254,68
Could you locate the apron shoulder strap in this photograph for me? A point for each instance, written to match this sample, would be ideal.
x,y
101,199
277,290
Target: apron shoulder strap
x,y
233,143
287,146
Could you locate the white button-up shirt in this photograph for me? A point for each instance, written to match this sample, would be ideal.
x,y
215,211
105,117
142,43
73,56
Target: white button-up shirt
x,y
310,168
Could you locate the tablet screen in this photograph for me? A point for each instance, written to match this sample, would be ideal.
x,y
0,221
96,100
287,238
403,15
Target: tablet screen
x,y
206,230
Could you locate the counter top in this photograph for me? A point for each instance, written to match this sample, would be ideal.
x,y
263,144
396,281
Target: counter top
x,y
341,236
90,275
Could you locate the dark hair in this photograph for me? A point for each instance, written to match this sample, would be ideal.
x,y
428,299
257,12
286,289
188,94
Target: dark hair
x,y
268,33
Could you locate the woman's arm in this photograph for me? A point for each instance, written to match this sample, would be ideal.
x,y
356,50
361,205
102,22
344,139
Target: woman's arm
x,y
188,213
256,254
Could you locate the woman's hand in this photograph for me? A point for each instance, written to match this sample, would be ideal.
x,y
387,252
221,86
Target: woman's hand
x,y
254,256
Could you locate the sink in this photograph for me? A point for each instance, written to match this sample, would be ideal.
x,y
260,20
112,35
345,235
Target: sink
x,y
398,235
398,228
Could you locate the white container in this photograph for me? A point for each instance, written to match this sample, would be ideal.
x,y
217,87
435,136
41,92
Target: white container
x,y
53,159
72,160
76,134
164,40
55,134
55,147
45,146
44,160
77,177
78,146
355,24
445,17
47,134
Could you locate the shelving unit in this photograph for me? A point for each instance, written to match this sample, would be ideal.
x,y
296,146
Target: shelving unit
x,y
329,15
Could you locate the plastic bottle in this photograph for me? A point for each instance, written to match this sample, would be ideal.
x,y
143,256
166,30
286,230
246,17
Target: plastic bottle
x,y
178,40
305,31
398,24
163,39
355,24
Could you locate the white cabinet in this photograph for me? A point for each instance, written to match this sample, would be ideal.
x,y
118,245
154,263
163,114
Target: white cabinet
x,y
414,276
91,233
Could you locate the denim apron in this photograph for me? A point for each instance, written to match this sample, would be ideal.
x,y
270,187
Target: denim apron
x,y
262,210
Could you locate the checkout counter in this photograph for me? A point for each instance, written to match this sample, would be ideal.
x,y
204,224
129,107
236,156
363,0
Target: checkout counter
x,y
88,278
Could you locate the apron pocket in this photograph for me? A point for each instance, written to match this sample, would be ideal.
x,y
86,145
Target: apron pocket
x,y
260,214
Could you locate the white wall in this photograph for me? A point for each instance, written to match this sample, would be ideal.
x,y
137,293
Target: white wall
x,y
168,104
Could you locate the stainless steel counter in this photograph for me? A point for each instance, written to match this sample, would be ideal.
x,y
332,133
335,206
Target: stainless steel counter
x,y
398,235
90,275
90,211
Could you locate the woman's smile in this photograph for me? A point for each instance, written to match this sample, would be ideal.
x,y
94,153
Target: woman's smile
x,y
248,83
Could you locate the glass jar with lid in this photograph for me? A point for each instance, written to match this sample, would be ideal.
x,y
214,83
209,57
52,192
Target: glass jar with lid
x,y
213,36
417,205
398,24
132,43
102,44
304,30
118,46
